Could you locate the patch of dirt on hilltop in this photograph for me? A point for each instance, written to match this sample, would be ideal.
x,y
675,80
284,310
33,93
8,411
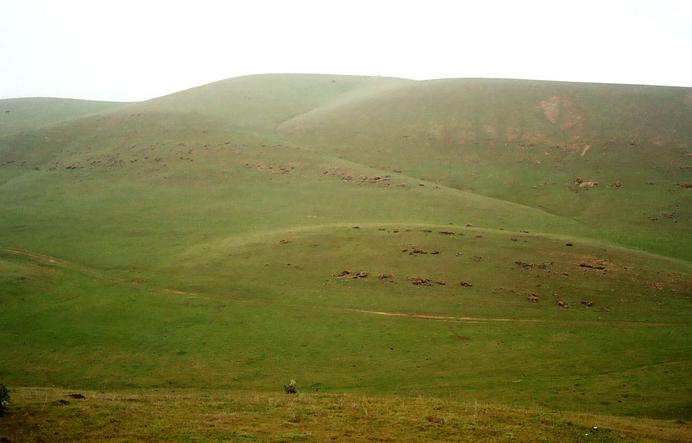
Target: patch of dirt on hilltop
x,y
551,108
658,140
688,99
566,113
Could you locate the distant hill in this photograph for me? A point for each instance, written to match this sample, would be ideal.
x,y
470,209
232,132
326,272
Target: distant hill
x,y
526,142
22,114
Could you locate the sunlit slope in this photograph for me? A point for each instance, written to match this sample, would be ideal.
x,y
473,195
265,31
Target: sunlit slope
x,y
529,142
25,114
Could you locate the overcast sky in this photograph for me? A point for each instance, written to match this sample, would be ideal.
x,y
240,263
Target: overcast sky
x,y
135,50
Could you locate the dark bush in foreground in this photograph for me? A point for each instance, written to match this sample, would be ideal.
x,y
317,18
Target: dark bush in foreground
x,y
291,388
4,399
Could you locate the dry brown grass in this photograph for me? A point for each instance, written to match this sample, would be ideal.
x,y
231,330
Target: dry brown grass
x,y
37,414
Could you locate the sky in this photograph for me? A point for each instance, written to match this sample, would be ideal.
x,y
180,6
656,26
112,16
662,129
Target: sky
x,y
135,50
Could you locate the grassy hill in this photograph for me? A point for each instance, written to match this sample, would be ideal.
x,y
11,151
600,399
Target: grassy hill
x,y
528,142
364,236
25,114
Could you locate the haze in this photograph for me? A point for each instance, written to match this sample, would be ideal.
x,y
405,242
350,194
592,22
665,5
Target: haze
x,y
129,50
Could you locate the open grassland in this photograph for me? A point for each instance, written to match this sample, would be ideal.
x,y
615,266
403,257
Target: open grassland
x,y
403,244
46,414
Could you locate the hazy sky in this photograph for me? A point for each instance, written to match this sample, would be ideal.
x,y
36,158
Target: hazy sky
x,y
134,50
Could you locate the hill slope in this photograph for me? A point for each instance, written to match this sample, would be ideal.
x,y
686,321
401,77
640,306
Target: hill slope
x,y
24,114
529,142
364,235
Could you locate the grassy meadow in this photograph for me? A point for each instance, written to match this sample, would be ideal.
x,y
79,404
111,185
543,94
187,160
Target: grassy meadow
x,y
419,256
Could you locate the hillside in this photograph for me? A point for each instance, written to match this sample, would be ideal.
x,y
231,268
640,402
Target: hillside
x,y
528,142
25,114
374,237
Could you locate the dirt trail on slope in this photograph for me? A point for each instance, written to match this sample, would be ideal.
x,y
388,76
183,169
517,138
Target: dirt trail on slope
x,y
37,257
445,318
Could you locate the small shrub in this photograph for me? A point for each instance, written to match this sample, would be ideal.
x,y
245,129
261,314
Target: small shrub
x,y
291,388
4,399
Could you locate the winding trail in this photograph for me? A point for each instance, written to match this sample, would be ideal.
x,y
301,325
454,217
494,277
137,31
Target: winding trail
x,y
445,318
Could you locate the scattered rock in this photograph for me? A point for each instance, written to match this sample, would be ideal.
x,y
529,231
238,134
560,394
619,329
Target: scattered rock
x,y
283,242
349,274
77,396
420,281
569,244
597,266
561,303
587,303
616,184
533,298
414,250
447,233
62,402
524,265
385,276
435,420
585,184
466,284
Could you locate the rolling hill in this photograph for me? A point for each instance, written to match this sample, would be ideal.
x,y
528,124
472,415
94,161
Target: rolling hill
x,y
516,243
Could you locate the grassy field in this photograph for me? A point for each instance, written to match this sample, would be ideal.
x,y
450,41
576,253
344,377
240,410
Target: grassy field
x,y
384,242
47,414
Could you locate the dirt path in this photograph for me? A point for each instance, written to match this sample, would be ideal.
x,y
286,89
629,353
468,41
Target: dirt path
x,y
36,256
445,318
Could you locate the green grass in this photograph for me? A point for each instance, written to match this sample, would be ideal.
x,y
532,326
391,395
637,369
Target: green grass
x,y
26,114
191,415
192,242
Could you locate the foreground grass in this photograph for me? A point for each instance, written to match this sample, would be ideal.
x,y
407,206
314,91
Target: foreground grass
x,y
50,414
237,317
